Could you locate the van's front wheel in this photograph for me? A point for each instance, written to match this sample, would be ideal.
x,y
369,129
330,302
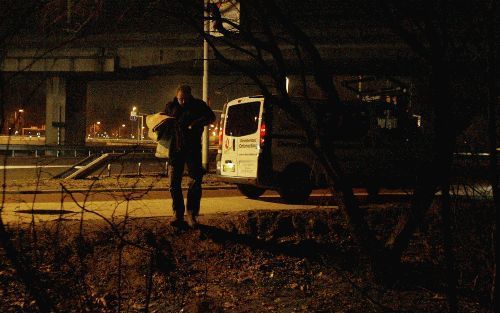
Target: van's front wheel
x,y
250,191
295,184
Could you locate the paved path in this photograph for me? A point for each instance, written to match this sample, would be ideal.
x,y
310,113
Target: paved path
x,y
154,204
112,204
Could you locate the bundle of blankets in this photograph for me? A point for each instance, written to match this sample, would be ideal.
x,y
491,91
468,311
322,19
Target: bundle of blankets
x,y
160,129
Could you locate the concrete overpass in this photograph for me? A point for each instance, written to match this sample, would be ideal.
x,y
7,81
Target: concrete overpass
x,y
70,64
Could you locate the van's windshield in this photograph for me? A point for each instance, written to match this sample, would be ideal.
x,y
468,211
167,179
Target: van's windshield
x,y
242,119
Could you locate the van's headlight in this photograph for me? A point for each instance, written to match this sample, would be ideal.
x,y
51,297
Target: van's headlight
x,y
217,168
228,167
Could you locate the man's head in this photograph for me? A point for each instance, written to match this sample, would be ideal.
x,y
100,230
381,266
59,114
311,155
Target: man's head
x,y
183,94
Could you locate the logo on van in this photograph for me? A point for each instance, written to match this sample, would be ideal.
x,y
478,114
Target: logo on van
x,y
248,143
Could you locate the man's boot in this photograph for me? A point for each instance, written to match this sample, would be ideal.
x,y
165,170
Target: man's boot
x,y
191,220
178,221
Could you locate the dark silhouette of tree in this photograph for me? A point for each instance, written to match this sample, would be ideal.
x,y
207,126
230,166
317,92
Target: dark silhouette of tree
x,y
454,40
451,44
19,18
456,48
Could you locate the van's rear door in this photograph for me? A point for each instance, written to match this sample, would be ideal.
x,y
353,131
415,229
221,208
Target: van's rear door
x,y
241,141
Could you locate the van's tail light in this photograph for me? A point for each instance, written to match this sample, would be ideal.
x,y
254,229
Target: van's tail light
x,y
221,132
221,127
262,133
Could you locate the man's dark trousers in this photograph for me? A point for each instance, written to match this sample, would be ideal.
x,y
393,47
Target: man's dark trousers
x,y
192,159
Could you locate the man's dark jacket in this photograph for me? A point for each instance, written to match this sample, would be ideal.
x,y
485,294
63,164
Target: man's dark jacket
x,y
195,113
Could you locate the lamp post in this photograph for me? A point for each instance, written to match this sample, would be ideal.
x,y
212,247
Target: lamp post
x,y
140,126
94,126
141,137
17,120
204,138
133,117
123,126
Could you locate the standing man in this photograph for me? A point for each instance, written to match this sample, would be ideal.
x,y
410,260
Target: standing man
x,y
191,115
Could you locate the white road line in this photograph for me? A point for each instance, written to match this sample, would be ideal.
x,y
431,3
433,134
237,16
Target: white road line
x,y
18,167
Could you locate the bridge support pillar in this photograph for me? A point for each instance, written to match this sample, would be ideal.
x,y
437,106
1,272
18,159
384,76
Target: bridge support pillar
x,y
65,111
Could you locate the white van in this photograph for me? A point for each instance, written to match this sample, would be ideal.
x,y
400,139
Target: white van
x,y
261,147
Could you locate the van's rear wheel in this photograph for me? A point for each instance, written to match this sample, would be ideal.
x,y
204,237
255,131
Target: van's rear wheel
x,y
295,184
250,191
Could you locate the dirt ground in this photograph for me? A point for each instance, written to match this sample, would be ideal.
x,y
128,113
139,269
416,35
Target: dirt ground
x,y
274,261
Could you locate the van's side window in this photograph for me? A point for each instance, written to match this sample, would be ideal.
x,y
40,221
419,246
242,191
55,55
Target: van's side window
x,y
242,119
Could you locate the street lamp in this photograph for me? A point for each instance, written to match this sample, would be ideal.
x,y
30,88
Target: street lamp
x,y
133,116
94,126
123,126
17,120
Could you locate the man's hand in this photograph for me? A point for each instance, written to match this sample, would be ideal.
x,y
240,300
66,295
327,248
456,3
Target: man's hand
x,y
198,123
193,125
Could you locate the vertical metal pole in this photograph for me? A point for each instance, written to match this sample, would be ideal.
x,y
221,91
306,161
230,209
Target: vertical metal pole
x,y
69,8
138,131
142,126
204,142
59,128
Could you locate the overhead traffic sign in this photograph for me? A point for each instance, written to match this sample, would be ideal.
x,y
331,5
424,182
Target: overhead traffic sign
x,y
224,15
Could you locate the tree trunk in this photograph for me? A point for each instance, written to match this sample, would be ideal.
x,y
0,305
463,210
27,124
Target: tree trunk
x,y
493,159
449,259
384,265
436,171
